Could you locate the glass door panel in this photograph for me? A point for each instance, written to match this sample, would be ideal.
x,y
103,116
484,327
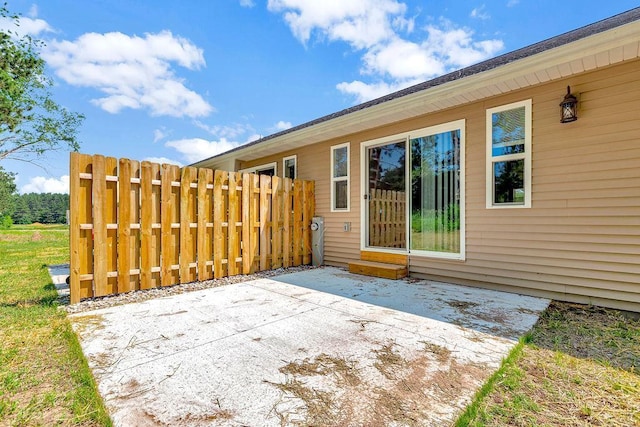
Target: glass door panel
x,y
435,192
387,201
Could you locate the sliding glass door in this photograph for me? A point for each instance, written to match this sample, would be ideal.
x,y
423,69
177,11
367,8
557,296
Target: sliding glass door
x,y
418,179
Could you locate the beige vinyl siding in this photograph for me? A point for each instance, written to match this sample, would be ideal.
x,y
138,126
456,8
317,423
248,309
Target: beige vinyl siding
x,y
580,240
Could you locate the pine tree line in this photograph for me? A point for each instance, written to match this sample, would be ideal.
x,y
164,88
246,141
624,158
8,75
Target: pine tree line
x,y
45,208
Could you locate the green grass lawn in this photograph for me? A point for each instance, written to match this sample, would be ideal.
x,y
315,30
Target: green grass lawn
x,y
579,366
44,378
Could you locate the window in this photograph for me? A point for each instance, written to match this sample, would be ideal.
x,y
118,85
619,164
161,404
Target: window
x,y
270,169
340,177
509,155
289,167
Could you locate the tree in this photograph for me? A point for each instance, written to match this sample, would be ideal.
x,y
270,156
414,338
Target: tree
x,y
31,122
21,213
7,196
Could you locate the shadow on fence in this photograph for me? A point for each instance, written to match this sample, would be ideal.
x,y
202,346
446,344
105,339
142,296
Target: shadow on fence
x,y
141,225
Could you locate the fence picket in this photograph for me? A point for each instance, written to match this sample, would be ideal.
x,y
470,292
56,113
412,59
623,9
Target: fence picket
x,y
146,224
170,236
308,203
205,224
124,224
276,213
286,222
254,220
297,222
81,238
99,226
247,226
187,217
218,255
265,183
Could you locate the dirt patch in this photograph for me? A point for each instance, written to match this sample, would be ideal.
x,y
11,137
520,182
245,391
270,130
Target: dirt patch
x,y
441,353
589,332
88,324
344,371
393,387
36,236
461,305
388,362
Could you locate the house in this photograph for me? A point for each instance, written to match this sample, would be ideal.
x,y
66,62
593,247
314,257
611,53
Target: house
x,y
472,178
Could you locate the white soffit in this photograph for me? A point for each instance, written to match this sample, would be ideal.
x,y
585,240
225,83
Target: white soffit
x,y
597,51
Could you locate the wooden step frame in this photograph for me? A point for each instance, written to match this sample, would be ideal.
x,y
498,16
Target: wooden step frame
x,y
385,265
385,257
378,269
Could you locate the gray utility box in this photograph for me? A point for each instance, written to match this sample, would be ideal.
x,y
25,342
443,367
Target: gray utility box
x,y
317,241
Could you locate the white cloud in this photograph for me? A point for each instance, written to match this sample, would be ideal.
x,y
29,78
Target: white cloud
x,y
512,3
361,23
162,160
195,149
247,3
456,48
133,72
402,63
40,184
33,11
27,26
160,134
480,13
402,59
282,125
253,137
363,92
230,132
394,54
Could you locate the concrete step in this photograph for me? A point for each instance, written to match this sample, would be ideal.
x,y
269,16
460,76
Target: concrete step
x,y
378,269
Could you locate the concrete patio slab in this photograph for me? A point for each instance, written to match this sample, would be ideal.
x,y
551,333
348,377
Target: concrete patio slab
x,y
317,347
59,274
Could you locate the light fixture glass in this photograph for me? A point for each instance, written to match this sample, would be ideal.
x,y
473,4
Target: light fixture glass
x,y
569,108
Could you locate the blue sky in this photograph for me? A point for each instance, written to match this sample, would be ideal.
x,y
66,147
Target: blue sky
x,y
183,80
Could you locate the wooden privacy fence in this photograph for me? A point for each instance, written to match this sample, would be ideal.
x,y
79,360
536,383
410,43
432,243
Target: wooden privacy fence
x,y
387,219
144,225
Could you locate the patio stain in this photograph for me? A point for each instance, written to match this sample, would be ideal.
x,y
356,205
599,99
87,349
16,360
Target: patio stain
x,y
461,305
442,353
345,371
388,361
88,324
145,418
414,391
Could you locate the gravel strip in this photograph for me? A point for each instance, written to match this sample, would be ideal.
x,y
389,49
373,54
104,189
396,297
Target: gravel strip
x,y
144,295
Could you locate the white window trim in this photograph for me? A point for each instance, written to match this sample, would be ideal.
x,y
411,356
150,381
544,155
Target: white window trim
x,y
491,159
295,163
407,136
255,169
342,178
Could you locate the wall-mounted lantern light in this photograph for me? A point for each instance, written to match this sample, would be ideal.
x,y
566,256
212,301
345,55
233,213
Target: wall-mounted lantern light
x,y
569,108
